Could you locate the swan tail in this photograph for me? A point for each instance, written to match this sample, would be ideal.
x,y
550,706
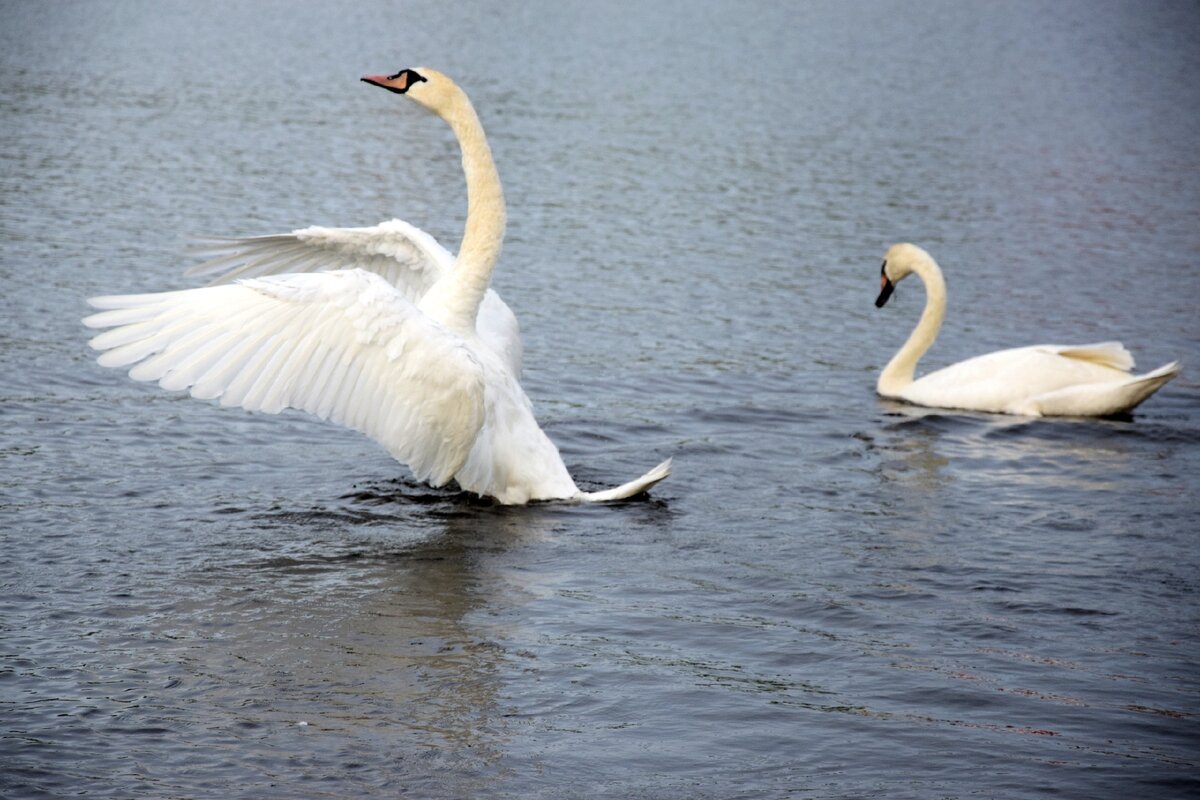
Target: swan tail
x,y
1103,400
634,487
1142,386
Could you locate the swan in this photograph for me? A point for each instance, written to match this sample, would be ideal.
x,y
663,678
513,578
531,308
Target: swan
x,y
397,346
1091,380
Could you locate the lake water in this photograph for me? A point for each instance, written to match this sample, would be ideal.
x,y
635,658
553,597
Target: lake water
x,y
833,596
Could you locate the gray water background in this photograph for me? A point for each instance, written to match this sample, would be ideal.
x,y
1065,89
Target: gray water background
x,y
832,596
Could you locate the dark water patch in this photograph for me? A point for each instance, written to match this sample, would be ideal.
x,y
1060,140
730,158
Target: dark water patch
x,y
1047,609
1098,431
1065,521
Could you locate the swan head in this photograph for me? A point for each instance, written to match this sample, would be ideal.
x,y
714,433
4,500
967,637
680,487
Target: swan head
x,y
899,262
428,87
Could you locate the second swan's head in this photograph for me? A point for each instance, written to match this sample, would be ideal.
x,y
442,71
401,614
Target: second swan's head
x,y
898,263
427,87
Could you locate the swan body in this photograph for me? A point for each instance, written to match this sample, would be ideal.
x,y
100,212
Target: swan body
x,y
1041,380
377,329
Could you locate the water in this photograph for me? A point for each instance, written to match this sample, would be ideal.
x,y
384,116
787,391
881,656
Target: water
x,y
833,596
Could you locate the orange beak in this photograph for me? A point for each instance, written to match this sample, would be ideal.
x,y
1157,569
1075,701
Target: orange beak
x,y
399,83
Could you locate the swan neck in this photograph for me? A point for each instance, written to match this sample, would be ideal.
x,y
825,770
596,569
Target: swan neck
x,y
467,283
900,370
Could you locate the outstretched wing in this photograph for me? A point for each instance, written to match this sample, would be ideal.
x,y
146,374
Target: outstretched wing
x,y
343,345
405,256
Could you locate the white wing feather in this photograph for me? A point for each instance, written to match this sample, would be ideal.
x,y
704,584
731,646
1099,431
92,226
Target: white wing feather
x,y
343,345
404,255
1007,381
1105,354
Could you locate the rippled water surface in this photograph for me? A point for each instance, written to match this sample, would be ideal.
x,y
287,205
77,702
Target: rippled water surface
x,y
833,596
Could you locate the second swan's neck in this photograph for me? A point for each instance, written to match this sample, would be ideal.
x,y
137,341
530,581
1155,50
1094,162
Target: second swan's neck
x,y
899,371
455,298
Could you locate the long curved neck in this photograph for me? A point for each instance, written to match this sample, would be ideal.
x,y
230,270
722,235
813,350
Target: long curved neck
x,y
455,298
899,371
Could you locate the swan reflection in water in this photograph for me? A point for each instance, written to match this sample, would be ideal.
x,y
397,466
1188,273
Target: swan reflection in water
x,y
925,448
400,614
369,629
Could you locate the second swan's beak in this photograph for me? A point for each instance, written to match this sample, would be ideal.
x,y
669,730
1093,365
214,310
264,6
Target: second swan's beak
x,y
886,287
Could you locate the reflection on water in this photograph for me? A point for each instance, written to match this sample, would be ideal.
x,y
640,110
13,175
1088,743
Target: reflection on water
x,y
373,640
933,445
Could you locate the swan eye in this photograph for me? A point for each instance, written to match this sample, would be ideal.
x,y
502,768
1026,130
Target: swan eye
x,y
883,268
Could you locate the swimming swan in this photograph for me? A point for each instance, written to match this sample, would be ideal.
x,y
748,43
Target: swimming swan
x,y
1044,380
410,363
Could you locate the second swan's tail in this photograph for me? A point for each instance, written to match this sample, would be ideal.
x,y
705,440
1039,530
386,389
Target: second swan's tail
x,y
630,489
1104,399
1142,386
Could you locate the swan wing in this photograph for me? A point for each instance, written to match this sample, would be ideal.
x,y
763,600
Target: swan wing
x,y
1101,399
404,255
1007,380
1105,354
343,345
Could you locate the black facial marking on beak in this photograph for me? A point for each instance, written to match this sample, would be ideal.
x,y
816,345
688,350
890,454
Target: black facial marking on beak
x,y
886,287
413,76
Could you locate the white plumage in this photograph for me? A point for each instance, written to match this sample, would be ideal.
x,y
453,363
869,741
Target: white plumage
x,y
1042,380
345,346
377,329
403,254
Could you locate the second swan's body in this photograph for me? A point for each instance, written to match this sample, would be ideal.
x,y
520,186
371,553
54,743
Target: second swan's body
x,y
1042,380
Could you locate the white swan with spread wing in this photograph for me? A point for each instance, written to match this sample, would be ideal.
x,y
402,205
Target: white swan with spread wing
x,y
1042,380
378,329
